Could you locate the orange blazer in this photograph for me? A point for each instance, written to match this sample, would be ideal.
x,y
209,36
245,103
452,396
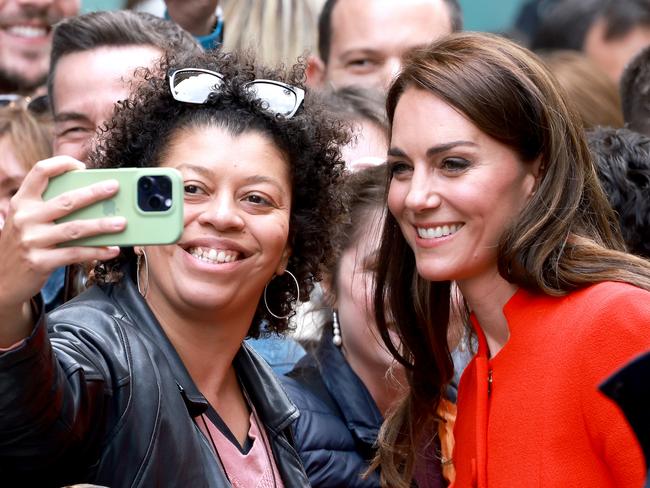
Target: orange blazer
x,y
532,416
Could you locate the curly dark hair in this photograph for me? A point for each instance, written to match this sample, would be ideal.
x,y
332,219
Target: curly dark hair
x,y
623,160
142,126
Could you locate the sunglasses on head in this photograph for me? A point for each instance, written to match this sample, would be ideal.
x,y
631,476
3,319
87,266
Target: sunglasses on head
x,y
36,105
194,85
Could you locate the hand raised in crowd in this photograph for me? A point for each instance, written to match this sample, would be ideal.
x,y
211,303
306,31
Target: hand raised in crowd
x,y
29,242
197,17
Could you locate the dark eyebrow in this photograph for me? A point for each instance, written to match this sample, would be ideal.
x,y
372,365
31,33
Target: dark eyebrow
x,y
363,51
432,151
203,171
397,152
70,116
262,179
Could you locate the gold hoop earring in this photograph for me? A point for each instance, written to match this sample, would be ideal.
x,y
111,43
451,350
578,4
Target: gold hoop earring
x,y
146,273
295,280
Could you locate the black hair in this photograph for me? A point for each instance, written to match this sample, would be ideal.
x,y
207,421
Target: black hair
x,y
623,161
325,24
563,24
621,16
635,93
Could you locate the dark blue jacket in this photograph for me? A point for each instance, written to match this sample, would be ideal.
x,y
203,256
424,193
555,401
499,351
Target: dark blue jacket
x,y
336,432
339,420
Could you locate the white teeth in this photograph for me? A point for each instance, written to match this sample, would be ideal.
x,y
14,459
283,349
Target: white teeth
x,y
208,255
27,31
439,231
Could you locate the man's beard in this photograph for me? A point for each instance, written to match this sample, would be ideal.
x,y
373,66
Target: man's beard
x,y
10,80
14,83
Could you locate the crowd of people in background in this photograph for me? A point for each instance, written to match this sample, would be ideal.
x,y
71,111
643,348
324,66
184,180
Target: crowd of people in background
x,y
411,256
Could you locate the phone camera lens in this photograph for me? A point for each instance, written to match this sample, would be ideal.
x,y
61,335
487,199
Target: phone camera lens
x,y
156,202
164,184
146,183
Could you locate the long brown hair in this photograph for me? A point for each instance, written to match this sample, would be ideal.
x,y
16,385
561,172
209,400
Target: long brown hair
x,y
565,238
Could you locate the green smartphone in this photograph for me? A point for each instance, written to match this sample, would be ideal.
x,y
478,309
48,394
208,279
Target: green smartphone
x,y
151,200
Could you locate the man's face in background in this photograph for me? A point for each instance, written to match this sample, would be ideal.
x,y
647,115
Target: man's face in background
x,y
86,85
26,39
368,38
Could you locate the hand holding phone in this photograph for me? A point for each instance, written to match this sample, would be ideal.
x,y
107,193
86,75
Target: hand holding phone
x,y
150,199
30,238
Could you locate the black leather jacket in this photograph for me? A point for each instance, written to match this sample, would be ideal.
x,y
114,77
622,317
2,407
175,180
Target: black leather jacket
x,y
98,394
339,422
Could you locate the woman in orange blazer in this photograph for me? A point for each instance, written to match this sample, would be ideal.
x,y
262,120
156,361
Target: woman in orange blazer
x,y
492,188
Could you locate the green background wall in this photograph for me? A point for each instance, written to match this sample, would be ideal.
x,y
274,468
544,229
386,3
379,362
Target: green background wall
x,y
90,5
490,15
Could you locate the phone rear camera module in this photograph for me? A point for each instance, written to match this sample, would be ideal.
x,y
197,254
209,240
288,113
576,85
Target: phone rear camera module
x,y
154,193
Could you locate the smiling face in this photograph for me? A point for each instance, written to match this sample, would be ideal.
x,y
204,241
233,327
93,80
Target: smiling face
x,y
237,210
369,38
86,87
454,190
26,38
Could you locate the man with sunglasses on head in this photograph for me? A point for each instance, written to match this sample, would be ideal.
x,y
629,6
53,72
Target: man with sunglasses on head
x,y
360,42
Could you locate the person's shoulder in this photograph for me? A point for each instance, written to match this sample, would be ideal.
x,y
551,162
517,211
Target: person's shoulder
x,y
93,303
90,332
613,290
613,317
612,299
320,428
305,387
95,313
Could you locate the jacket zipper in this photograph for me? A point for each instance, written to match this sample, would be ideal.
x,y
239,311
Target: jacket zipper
x,y
489,381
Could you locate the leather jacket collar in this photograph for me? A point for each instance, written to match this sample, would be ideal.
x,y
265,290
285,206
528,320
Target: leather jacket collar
x,y
274,407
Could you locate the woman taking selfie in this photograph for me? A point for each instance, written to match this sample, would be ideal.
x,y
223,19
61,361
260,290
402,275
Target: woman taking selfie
x,y
492,188
143,380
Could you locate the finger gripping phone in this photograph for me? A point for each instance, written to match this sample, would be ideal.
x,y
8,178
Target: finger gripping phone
x,y
151,200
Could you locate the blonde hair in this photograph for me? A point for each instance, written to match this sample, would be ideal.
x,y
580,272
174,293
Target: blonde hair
x,y
279,31
30,137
